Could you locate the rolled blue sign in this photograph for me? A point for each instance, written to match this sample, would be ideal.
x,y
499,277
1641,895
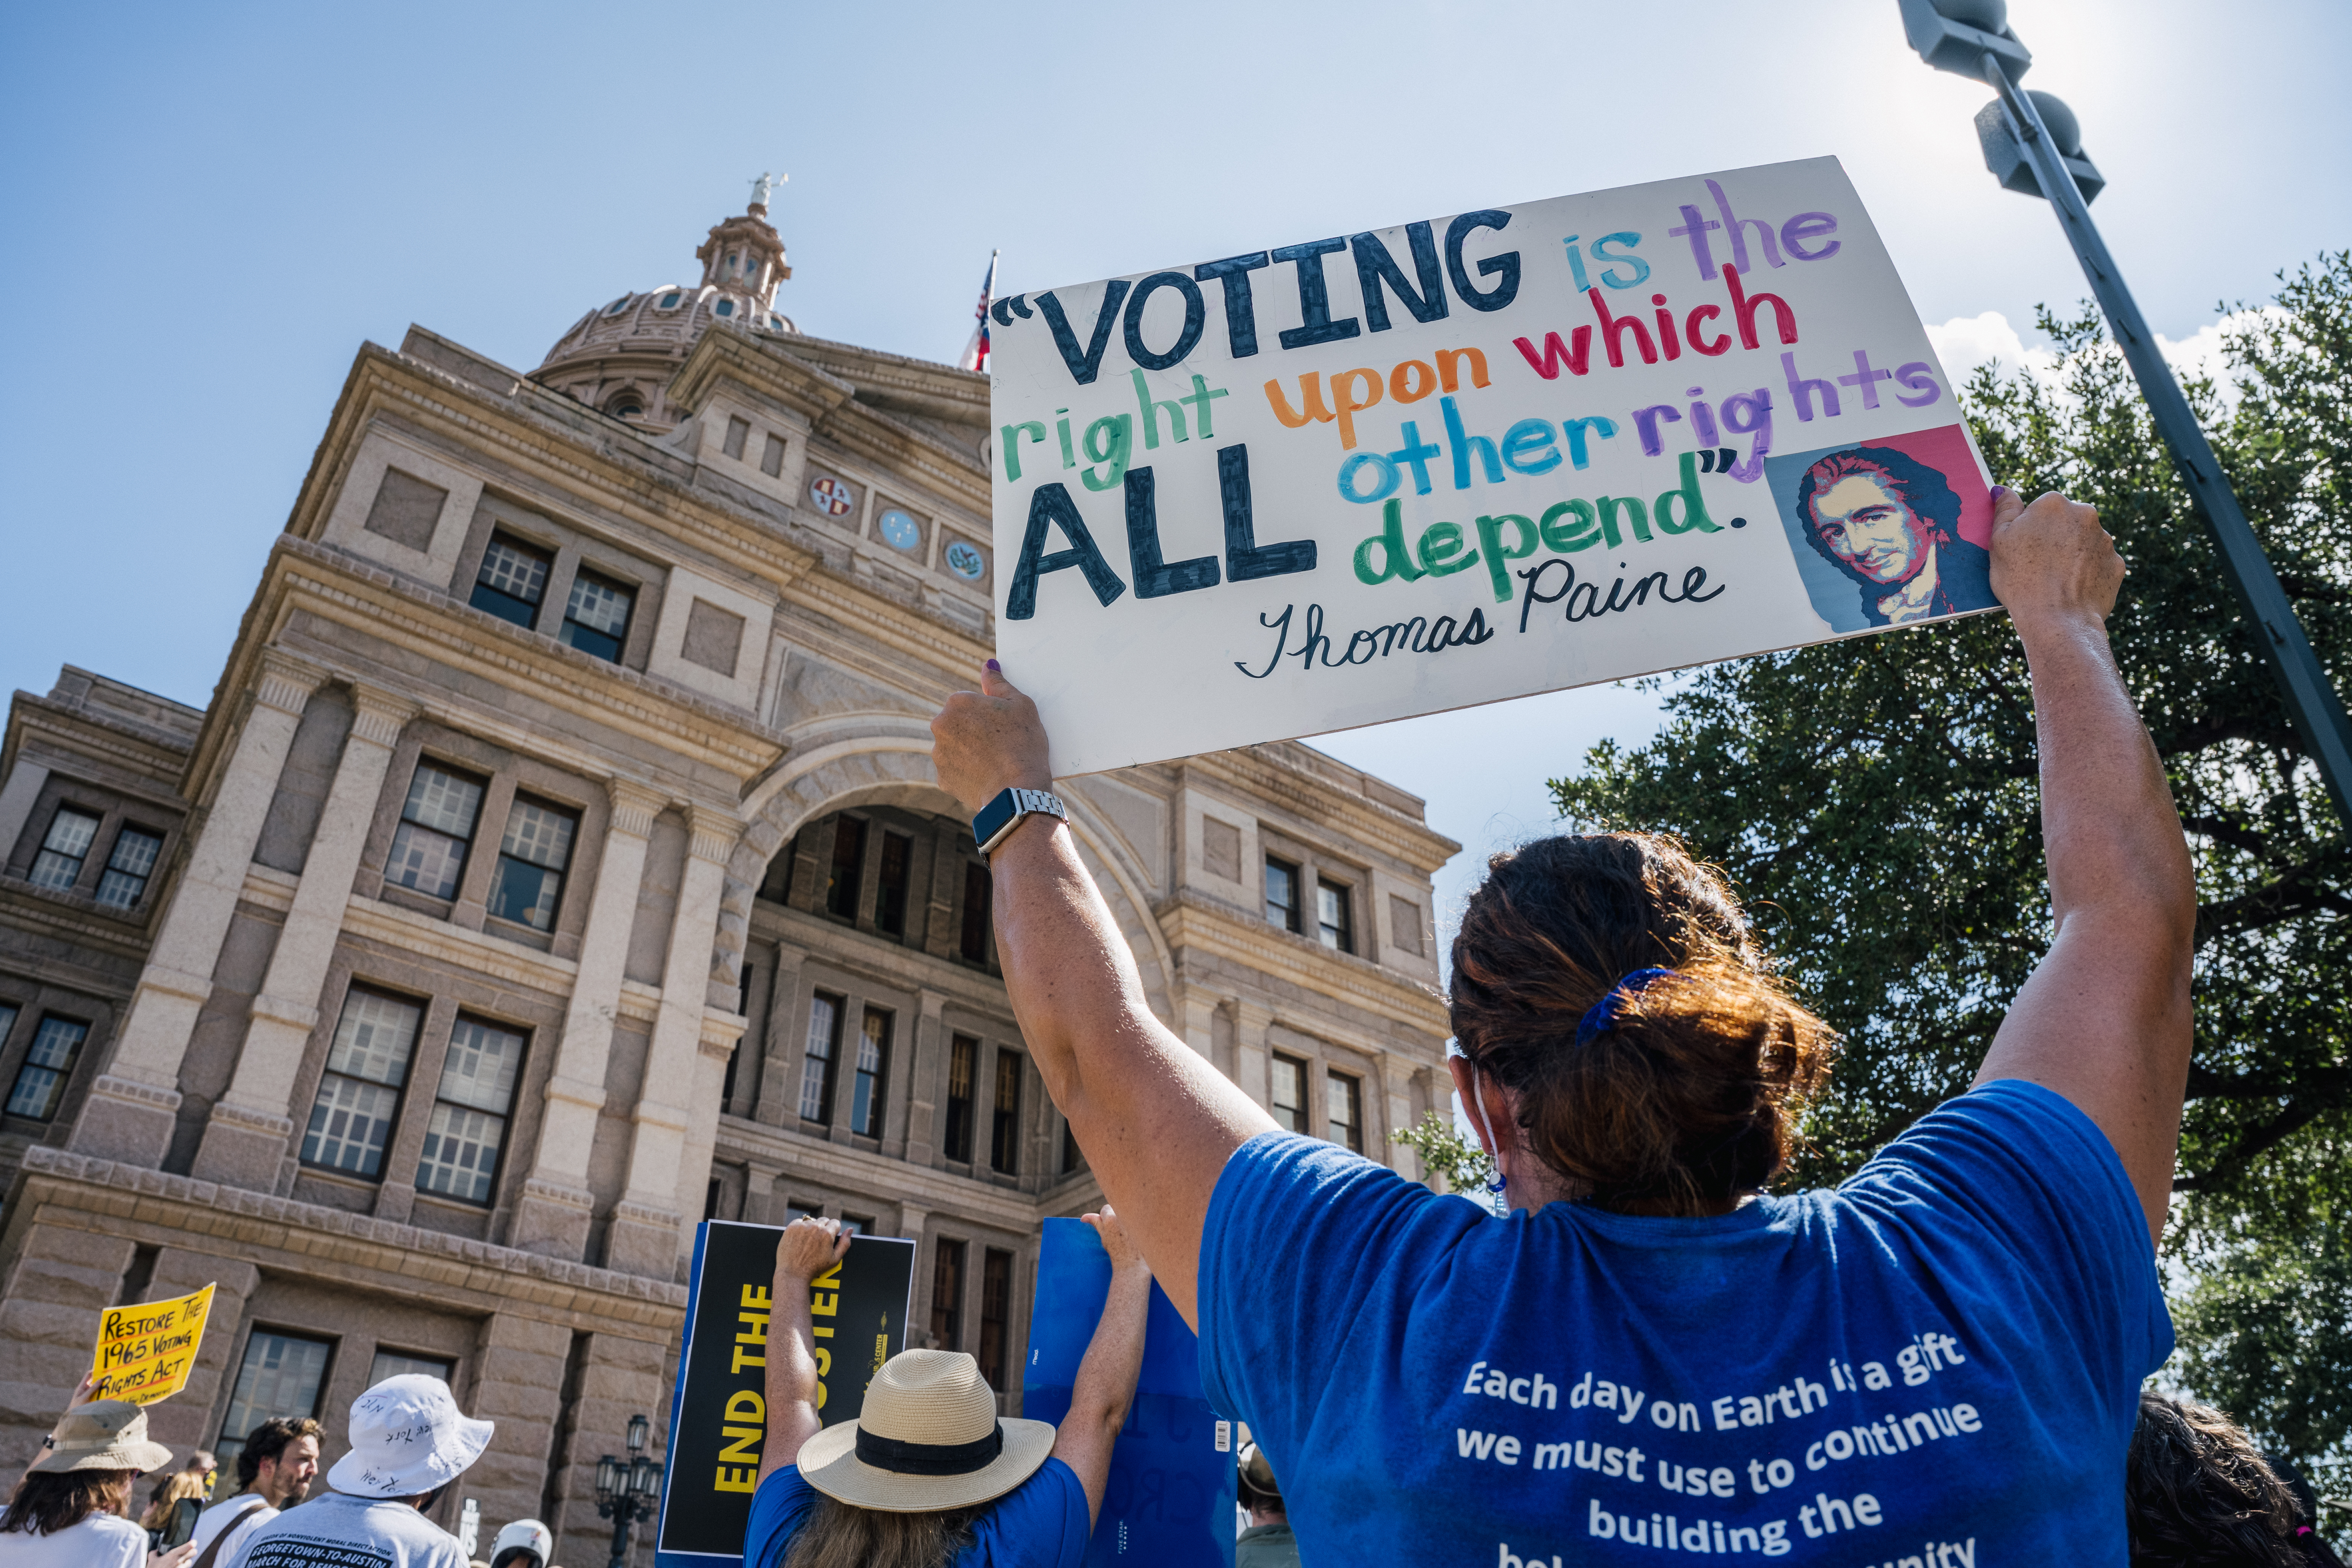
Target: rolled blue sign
x,y
900,531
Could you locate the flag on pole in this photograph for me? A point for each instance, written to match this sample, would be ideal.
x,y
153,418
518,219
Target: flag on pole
x,y
975,351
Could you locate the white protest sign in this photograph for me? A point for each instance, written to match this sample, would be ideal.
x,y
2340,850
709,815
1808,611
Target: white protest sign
x,y
1500,452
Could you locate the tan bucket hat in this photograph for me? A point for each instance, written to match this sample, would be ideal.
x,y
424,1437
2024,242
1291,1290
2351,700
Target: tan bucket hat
x,y
927,1438
104,1434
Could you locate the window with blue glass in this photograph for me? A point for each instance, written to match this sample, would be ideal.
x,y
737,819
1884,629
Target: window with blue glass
x,y
128,869
40,1086
532,858
359,1094
513,580
596,615
64,849
866,1098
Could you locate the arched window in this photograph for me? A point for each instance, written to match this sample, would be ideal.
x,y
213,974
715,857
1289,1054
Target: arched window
x,y
626,404
668,301
617,306
724,308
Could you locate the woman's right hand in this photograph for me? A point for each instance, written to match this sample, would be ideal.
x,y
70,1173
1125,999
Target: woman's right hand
x,y
174,1558
807,1249
1115,1241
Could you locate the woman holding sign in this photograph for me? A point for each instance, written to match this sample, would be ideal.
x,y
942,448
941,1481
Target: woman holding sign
x,y
1940,1358
929,1474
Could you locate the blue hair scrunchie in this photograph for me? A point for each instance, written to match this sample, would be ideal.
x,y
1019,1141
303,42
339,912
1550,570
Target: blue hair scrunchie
x,y
1603,1016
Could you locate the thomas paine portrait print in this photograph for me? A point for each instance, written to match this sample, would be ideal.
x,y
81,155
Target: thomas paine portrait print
x,y
1881,528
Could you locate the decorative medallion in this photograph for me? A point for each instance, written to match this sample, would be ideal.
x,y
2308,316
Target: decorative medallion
x,y
900,531
966,561
830,497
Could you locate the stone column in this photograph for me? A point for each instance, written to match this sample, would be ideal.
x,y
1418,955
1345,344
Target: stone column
x,y
131,1106
618,1378
760,1192
63,1278
779,1075
245,1144
645,1231
721,1031
552,1218
185,1420
925,1072
1251,1060
16,798
518,1382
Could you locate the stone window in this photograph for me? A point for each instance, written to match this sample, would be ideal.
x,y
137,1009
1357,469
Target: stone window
x,y
398,1363
869,1085
818,1055
59,865
947,1296
40,1086
436,828
406,510
714,638
359,1097
738,430
512,582
282,1374
1404,924
128,869
1005,1130
533,858
1335,924
468,1128
995,1313
1282,893
848,867
963,1070
668,301
979,902
771,459
596,615
1344,1109
1287,1098
890,894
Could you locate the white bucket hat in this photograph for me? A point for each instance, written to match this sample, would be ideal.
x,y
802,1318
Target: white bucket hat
x,y
408,1438
929,1437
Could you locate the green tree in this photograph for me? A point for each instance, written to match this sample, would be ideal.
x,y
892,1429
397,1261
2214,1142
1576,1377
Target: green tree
x,y
1465,1167
1875,801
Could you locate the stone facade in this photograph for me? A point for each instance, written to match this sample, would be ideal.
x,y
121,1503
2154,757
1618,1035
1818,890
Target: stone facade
x,y
558,864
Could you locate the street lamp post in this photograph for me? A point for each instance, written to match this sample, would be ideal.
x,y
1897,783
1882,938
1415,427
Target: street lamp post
x,y
628,1489
2031,144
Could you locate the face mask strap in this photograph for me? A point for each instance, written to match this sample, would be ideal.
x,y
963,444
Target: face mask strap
x,y
1479,1096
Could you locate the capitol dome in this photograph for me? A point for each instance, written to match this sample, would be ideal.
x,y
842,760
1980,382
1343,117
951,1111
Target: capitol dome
x,y
620,356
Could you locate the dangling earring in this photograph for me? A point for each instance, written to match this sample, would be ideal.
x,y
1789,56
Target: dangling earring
x,y
1494,1143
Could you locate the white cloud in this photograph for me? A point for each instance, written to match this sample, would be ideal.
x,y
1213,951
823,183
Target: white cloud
x,y
1965,342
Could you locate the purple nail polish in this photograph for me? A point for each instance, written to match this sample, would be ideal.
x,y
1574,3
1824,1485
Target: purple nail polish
x,y
2000,491
994,666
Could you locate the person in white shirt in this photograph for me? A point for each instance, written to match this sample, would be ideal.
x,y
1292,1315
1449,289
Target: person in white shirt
x,y
67,1511
409,1441
274,1471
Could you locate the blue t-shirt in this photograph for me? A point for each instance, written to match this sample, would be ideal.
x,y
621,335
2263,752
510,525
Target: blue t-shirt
x,y
1937,1364
1041,1523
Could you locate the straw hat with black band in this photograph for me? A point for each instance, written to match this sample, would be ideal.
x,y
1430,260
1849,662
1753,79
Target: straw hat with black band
x,y
928,1438
103,1435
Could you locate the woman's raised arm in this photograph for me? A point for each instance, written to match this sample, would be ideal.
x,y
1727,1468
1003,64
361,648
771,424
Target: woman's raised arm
x,y
1155,1120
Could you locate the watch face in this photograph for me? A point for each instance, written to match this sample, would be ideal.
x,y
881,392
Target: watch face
x,y
830,497
966,561
900,531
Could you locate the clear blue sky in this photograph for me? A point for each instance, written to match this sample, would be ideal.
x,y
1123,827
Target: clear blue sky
x,y
209,207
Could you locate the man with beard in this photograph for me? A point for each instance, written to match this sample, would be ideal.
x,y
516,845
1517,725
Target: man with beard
x,y
1892,524
274,1470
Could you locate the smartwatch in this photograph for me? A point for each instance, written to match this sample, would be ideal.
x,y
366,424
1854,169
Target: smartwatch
x,y
1000,816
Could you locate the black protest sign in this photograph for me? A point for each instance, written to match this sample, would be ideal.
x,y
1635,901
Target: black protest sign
x,y
718,1415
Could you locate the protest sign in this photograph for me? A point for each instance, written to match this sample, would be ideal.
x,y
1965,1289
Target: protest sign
x,y
719,1412
145,1353
1470,457
1169,1500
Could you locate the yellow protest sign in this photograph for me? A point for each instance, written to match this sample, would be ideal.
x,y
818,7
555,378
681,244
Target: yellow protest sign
x,y
145,1353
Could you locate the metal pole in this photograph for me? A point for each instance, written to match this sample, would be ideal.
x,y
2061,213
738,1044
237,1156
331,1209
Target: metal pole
x,y
621,1516
2311,701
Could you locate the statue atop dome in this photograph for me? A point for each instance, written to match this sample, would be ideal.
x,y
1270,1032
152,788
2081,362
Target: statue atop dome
x,y
761,186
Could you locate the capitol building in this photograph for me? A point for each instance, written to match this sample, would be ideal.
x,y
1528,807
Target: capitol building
x,y
558,863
